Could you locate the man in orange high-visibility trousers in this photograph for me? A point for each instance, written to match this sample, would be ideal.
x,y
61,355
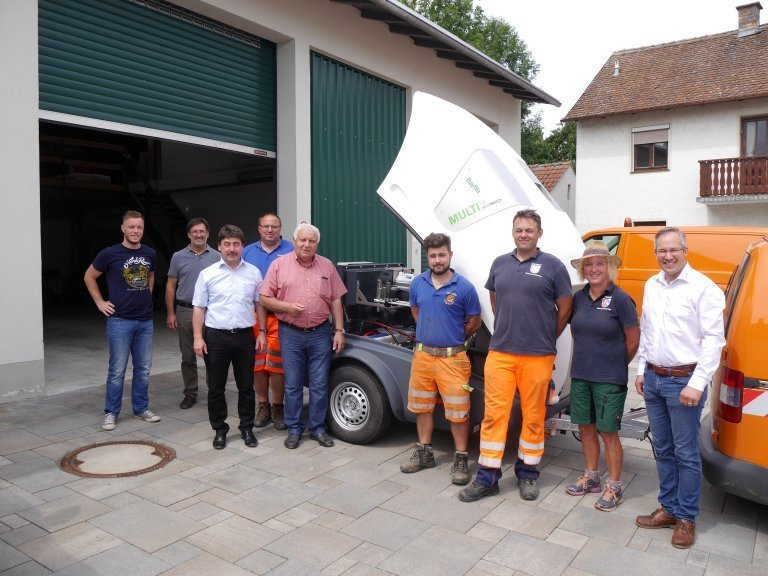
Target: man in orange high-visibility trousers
x,y
531,300
447,311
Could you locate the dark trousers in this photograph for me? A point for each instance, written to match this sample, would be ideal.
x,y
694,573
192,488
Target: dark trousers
x,y
238,349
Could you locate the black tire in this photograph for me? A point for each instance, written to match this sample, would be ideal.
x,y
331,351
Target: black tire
x,y
358,410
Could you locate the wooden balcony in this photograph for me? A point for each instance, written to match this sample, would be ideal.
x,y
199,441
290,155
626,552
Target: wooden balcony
x,y
733,179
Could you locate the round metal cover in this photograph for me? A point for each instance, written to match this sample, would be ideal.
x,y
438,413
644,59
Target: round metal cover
x,y
117,459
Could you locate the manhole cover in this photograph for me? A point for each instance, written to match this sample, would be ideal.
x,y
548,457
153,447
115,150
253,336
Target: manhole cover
x,y
117,459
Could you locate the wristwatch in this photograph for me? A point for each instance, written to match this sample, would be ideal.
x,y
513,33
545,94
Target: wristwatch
x,y
263,330
339,330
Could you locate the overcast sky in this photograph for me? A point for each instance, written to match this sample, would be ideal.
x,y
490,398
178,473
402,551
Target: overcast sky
x,y
572,39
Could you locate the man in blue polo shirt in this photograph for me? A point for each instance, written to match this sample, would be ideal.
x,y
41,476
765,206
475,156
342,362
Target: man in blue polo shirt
x,y
268,369
531,299
447,311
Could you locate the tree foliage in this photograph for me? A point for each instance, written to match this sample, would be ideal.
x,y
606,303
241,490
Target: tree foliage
x,y
498,39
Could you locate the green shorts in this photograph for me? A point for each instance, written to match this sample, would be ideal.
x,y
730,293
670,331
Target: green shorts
x,y
597,403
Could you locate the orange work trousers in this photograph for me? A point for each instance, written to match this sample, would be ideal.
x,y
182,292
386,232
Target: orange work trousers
x,y
504,374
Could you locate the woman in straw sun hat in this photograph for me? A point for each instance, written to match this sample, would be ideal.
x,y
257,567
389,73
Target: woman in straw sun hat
x,y
605,339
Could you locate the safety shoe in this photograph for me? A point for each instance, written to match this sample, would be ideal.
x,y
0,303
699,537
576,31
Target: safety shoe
x,y
656,519
528,488
611,498
422,457
109,422
263,416
685,534
147,416
278,417
583,485
476,491
460,471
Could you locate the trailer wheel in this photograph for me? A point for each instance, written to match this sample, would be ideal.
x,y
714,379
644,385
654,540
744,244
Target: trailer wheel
x,y
359,410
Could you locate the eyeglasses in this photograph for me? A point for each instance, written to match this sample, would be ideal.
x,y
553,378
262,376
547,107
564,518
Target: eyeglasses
x,y
671,251
269,227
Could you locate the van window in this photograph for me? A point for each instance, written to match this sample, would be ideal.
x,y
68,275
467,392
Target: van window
x,y
734,286
611,240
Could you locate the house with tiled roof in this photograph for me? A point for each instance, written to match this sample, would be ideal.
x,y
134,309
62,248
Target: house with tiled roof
x,y
559,179
677,133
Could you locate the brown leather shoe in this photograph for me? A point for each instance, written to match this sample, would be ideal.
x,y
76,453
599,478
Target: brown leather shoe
x,y
657,519
278,417
685,534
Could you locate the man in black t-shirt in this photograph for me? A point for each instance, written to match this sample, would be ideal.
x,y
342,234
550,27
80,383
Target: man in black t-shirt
x,y
130,273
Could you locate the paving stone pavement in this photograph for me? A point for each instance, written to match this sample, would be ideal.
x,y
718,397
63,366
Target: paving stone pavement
x,y
331,511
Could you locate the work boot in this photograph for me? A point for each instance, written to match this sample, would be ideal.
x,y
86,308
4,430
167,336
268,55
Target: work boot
x,y
263,416
422,457
278,417
528,488
460,470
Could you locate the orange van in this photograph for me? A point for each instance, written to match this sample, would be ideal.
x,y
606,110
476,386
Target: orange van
x,y
712,250
733,435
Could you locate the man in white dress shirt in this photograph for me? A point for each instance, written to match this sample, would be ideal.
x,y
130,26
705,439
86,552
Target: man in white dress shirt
x,y
681,337
222,320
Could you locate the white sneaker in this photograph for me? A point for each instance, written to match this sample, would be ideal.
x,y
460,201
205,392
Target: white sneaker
x,y
109,422
147,416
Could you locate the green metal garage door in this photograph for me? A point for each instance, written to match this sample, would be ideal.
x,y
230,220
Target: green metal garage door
x,y
358,125
150,63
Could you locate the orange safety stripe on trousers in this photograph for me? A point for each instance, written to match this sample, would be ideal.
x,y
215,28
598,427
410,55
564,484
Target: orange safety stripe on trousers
x,y
505,374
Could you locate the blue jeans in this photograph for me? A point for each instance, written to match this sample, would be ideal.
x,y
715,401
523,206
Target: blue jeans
x,y
306,360
126,337
675,430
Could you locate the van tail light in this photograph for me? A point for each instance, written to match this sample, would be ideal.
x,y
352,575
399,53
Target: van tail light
x,y
731,395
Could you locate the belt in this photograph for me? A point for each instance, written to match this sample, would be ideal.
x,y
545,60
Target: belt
x,y
679,371
441,352
301,328
184,304
231,330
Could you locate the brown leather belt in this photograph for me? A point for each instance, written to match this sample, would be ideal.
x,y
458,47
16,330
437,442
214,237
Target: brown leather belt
x,y
678,371
440,352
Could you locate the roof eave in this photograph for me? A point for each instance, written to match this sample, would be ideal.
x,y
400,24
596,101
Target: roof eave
x,y
402,20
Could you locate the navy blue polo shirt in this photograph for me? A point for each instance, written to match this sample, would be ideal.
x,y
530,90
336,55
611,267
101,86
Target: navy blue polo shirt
x,y
525,320
442,312
599,342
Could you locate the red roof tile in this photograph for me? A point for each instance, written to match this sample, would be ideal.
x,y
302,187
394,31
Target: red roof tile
x,y
704,70
550,174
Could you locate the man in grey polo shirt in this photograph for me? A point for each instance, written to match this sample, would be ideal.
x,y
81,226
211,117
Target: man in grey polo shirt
x,y
531,299
185,266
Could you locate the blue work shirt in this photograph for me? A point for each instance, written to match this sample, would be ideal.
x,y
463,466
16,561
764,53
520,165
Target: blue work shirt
x,y
256,255
443,312
525,319
599,342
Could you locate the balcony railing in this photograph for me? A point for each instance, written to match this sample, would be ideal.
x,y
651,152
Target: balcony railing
x,y
733,176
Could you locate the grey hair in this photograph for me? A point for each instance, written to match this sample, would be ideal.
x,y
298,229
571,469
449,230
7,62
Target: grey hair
x,y
669,230
305,226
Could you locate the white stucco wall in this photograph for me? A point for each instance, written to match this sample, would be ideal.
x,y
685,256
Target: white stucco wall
x,y
565,193
609,191
21,315
297,26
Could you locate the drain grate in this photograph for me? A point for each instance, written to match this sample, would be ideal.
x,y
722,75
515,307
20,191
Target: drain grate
x,y
117,459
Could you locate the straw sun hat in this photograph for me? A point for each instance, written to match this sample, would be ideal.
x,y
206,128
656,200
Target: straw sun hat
x,y
596,249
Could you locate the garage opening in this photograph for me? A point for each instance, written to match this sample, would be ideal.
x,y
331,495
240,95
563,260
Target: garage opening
x,y
88,179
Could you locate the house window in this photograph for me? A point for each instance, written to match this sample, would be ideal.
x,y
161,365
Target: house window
x,y
650,148
754,137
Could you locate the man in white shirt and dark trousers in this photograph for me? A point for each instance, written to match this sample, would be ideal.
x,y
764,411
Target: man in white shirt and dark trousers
x,y
225,295
681,337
